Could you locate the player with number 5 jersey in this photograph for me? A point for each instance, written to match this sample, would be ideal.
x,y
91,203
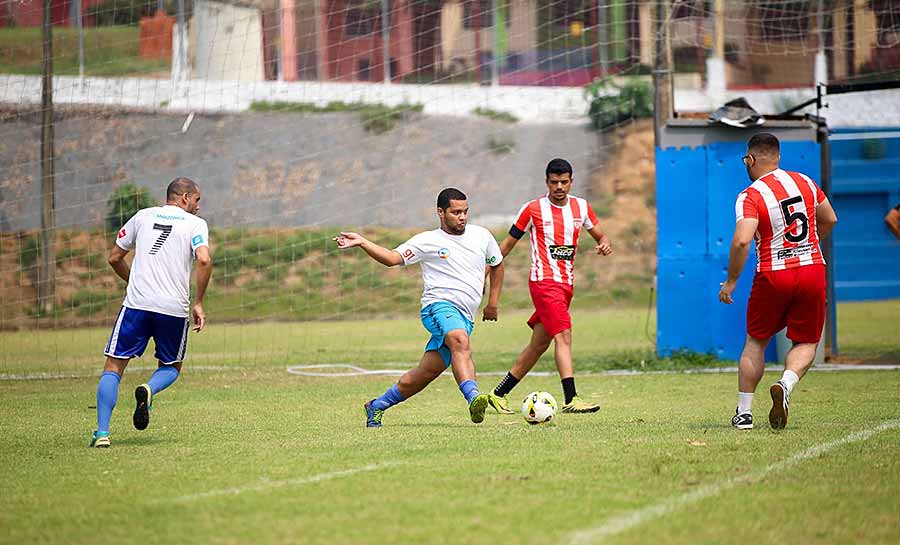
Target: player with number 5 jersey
x,y
787,214
166,241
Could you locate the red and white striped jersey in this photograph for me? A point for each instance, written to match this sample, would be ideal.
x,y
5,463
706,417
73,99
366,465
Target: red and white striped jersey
x,y
554,236
785,205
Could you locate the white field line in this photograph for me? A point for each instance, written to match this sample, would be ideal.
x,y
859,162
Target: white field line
x,y
267,485
88,374
348,370
338,370
621,523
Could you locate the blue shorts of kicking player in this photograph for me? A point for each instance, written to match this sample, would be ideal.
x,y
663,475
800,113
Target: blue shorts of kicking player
x,y
133,331
439,319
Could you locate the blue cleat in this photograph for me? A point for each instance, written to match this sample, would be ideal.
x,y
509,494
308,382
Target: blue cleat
x,y
373,415
100,439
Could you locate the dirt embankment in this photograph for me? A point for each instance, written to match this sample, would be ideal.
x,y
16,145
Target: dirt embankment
x,y
260,268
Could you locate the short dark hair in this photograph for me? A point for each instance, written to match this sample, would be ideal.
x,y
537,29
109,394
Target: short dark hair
x,y
558,166
764,144
179,186
447,195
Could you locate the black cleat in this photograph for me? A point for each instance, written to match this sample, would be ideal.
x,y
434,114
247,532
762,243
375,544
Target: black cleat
x,y
742,421
144,398
781,400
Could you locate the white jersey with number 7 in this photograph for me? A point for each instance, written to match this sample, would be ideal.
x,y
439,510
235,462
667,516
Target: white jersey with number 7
x,y
165,240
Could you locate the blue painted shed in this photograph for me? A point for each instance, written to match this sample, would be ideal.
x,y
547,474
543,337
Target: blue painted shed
x,y
865,166
698,177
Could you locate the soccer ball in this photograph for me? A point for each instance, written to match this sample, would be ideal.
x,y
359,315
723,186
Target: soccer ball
x,y
539,408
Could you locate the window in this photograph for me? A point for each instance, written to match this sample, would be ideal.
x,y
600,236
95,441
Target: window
x,y
690,8
566,12
784,20
363,70
473,8
888,15
361,21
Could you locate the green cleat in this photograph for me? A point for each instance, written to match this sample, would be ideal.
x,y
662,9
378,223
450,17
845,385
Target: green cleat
x,y
477,408
499,404
144,401
578,405
100,439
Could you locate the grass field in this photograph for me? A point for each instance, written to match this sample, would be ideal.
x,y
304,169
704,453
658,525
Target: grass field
x,y
108,51
241,451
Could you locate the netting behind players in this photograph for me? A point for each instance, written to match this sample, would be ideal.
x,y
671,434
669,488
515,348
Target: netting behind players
x,y
294,124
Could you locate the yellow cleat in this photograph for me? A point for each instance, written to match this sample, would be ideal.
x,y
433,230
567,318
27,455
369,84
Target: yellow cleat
x,y
578,405
499,404
477,408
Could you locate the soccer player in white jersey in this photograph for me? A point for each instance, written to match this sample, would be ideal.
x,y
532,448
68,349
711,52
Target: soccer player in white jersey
x,y
166,241
787,214
453,260
554,222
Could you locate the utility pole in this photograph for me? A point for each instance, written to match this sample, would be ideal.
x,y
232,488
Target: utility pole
x,y
664,99
386,38
602,37
47,272
495,64
79,23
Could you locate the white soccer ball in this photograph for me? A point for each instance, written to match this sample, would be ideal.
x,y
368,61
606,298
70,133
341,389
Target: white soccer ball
x,y
539,408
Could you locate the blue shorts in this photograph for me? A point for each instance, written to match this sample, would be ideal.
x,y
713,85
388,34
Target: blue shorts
x,y
134,328
440,319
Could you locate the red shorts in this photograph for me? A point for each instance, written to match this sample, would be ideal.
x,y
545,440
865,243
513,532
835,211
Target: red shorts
x,y
551,306
794,298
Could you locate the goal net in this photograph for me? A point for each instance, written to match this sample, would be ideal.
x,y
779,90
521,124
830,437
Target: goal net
x,y
300,118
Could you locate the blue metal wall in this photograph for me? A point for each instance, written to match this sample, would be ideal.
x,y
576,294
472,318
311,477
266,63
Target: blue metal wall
x,y
695,193
865,185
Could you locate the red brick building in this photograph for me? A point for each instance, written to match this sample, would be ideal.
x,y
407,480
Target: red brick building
x,y
28,13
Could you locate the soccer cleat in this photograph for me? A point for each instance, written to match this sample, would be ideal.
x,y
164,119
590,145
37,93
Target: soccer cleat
x,y
578,405
144,398
477,408
499,403
781,400
100,439
742,421
373,415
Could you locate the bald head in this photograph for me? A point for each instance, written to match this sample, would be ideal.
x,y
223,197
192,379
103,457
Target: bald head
x,y
180,186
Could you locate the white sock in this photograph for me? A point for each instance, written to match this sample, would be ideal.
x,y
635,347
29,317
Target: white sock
x,y
789,378
745,401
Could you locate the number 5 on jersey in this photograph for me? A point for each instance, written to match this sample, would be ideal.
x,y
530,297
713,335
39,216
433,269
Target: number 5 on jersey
x,y
790,218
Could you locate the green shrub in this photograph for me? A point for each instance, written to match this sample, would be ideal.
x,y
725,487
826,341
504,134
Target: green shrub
x,y
124,203
29,249
86,302
500,145
505,117
611,103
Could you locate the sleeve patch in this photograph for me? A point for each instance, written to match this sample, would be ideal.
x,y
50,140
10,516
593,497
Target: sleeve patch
x,y
198,239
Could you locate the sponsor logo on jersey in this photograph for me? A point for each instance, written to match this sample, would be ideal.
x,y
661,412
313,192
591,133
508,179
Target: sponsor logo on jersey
x,y
168,217
122,233
444,253
798,251
491,260
197,239
565,252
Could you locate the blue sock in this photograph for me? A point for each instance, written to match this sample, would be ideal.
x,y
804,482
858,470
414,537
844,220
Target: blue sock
x,y
390,398
162,378
469,389
107,394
